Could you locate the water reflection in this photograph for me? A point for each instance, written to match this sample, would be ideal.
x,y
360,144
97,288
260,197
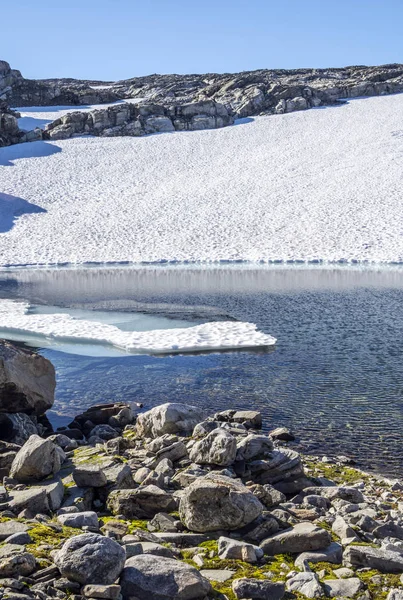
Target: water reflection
x,y
336,376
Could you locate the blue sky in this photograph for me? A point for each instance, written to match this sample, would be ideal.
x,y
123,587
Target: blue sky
x,y
117,39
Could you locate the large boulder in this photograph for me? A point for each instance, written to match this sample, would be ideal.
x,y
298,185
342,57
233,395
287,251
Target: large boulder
x,y
385,561
303,537
37,459
142,503
27,381
159,578
217,448
91,558
169,418
217,502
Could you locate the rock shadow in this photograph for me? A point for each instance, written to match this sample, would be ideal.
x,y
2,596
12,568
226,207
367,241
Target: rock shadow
x,y
12,207
26,150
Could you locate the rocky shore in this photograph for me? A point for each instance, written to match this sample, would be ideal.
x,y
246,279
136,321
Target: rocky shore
x,y
178,102
173,503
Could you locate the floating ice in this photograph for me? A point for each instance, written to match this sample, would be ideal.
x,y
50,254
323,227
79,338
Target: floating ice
x,y
15,317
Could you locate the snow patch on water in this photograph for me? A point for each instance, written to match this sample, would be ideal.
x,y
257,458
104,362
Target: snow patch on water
x,y
16,317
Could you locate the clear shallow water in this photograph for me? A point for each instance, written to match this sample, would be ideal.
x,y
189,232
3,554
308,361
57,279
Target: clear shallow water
x,y
335,377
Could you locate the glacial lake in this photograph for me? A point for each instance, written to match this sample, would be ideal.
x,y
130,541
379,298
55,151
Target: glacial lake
x,y
335,376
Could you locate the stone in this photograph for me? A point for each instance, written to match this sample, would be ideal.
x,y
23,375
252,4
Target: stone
x,y
79,520
343,573
253,446
258,589
90,559
346,588
332,554
182,540
395,594
106,592
19,564
27,380
220,575
282,434
104,432
218,448
89,476
9,528
63,441
169,418
160,578
343,530
17,428
19,538
164,522
267,494
217,502
229,548
119,476
306,584
34,500
303,537
37,459
142,503
384,561
389,530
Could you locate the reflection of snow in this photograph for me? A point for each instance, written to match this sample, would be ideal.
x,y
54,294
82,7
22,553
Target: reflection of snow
x,y
15,317
322,184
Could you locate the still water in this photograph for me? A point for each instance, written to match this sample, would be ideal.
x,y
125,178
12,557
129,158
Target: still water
x,y
335,377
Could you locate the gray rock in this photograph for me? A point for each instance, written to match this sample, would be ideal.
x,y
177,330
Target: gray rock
x,y
169,418
229,548
220,575
374,558
104,432
9,528
119,476
346,588
254,446
19,538
16,565
395,594
36,460
332,554
105,592
147,576
267,494
389,530
341,528
34,500
27,381
306,584
81,519
63,441
302,538
89,476
218,448
18,427
141,503
217,502
258,589
91,559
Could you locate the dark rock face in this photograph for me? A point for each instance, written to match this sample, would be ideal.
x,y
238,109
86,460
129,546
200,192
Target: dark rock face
x,y
27,381
132,120
9,130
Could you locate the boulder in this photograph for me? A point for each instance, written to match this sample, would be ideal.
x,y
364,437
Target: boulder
x,y
237,550
303,537
89,476
87,518
253,446
169,418
306,584
37,459
27,381
90,559
217,502
343,588
160,578
21,564
258,589
332,554
384,561
142,503
9,528
218,448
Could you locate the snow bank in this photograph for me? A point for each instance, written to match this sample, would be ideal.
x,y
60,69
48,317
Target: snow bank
x,y
15,317
322,184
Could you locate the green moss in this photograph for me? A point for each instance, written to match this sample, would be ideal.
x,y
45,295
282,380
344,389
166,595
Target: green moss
x,y
377,591
340,474
42,535
139,524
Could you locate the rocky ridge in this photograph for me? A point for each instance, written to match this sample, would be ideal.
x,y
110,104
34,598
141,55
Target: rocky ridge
x,y
172,503
216,99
